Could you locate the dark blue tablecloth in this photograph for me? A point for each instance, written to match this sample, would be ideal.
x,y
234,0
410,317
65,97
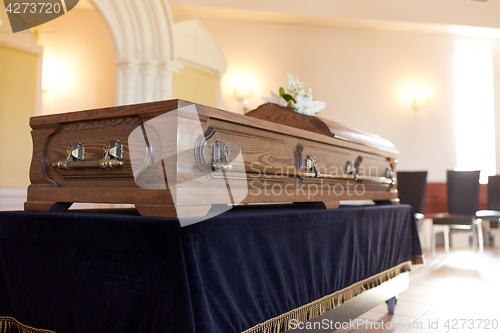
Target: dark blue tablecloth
x,y
115,272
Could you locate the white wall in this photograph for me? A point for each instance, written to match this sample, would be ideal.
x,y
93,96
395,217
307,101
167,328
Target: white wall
x,y
364,76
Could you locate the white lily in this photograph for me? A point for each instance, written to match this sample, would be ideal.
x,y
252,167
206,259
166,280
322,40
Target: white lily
x,y
294,84
306,105
275,98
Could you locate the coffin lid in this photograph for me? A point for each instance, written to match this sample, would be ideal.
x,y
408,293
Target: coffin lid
x,y
285,116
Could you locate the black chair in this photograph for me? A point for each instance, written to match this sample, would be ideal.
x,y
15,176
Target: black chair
x,y
494,193
492,214
463,202
411,188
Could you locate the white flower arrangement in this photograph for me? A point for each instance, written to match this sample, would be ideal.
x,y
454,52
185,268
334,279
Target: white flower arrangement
x,y
297,100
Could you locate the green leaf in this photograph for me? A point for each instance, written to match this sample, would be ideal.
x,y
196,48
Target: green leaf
x,y
288,98
291,104
282,91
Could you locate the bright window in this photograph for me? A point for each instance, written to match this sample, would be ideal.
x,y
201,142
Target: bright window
x,y
474,108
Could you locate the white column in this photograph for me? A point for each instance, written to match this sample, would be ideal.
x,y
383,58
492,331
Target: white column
x,y
128,81
168,69
148,86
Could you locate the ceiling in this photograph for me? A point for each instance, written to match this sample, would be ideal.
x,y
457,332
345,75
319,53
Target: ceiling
x,y
478,18
450,12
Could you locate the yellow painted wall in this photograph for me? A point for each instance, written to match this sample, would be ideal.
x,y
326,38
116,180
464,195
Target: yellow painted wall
x,y
197,86
78,63
17,104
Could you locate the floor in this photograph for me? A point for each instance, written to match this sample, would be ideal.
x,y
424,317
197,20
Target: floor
x,y
455,293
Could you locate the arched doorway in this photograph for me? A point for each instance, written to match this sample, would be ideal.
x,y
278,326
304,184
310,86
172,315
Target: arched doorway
x,y
143,37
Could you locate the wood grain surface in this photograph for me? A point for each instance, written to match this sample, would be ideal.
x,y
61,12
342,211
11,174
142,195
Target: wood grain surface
x,y
260,144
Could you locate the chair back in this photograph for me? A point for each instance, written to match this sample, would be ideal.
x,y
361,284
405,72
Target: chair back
x,y
494,192
463,192
411,188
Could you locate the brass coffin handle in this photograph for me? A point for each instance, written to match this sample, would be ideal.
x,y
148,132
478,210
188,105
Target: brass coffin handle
x,y
220,157
75,157
312,171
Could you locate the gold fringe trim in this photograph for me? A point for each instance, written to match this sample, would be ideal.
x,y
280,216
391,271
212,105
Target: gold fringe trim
x,y
318,307
11,325
418,260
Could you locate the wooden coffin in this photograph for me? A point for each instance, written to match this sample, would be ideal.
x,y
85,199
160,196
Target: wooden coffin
x,y
176,158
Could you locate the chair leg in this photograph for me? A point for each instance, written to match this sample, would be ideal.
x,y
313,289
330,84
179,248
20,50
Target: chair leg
x,y
391,305
474,236
486,228
433,242
479,230
446,234
427,233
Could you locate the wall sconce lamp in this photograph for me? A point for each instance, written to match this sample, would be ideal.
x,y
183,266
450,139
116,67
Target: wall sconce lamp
x,y
421,100
242,94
